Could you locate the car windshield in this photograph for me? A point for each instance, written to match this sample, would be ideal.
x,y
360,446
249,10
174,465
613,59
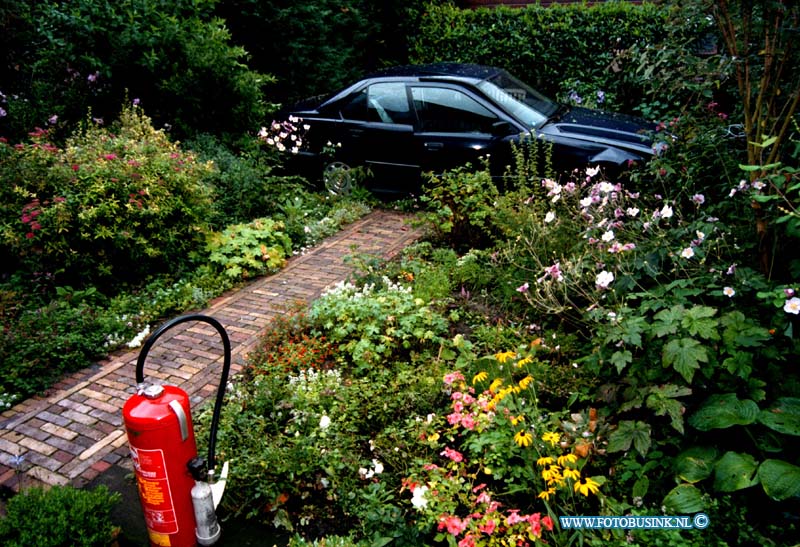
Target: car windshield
x,y
519,99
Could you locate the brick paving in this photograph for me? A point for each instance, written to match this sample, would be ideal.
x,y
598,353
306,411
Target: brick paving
x,y
74,432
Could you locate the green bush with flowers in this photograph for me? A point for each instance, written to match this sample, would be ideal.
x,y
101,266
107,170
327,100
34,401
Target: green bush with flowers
x,y
110,206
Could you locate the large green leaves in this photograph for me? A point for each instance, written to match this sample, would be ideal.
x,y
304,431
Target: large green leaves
x,y
783,416
735,471
723,411
696,463
685,356
629,432
781,480
684,499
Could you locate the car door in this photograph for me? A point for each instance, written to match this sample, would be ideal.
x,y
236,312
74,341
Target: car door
x,y
377,132
453,127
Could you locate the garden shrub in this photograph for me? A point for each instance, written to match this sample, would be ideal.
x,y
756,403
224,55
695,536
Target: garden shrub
x,y
376,322
552,48
60,516
112,206
248,250
68,58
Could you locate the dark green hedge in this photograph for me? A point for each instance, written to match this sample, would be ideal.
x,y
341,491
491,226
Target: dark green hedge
x,y
545,46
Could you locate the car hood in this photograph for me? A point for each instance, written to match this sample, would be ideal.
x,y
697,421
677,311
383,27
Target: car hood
x,y
598,125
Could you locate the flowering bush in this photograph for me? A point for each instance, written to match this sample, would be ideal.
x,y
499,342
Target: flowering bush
x,y
111,205
376,321
498,440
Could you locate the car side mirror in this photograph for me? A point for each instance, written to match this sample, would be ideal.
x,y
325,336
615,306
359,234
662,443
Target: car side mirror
x,y
502,128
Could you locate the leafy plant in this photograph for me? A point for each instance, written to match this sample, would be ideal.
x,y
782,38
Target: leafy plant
x,y
248,250
59,516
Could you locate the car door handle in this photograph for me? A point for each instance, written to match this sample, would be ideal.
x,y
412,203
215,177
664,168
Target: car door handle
x,y
432,146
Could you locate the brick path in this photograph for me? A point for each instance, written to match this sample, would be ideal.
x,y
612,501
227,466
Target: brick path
x,y
74,432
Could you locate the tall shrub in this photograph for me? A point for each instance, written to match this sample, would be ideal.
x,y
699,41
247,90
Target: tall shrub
x,y
112,205
65,57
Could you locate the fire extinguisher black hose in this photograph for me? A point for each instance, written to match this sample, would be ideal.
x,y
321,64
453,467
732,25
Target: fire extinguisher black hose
x,y
226,367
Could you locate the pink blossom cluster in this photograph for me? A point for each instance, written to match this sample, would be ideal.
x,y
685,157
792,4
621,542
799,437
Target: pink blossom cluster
x,y
488,520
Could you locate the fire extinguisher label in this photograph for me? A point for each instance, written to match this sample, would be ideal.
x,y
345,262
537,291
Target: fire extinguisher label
x,y
151,476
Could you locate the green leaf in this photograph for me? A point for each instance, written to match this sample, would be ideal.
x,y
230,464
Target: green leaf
x,y
685,356
735,471
698,322
662,400
684,499
739,332
629,432
640,487
740,364
667,321
783,416
696,464
620,359
722,411
780,479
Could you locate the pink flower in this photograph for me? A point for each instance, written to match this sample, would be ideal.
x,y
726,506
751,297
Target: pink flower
x,y
514,517
523,288
110,157
488,527
468,422
548,522
467,541
454,418
452,524
452,377
451,454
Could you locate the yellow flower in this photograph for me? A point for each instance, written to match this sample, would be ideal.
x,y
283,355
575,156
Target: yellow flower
x,y
523,438
586,486
545,460
504,356
433,437
552,473
545,494
525,382
551,438
567,458
480,377
570,473
517,419
524,361
496,383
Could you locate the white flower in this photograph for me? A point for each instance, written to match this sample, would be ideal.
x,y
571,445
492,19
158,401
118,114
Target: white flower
x,y
632,211
139,338
550,216
586,202
792,306
700,235
604,279
418,499
592,171
324,422
378,466
758,185
728,291
666,211
608,236
606,187
688,252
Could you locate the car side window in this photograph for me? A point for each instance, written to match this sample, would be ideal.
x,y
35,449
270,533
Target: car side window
x,y
450,111
382,102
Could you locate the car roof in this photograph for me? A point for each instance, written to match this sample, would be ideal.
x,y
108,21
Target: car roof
x,y
458,70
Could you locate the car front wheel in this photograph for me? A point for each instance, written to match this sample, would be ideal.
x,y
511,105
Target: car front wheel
x,y
338,178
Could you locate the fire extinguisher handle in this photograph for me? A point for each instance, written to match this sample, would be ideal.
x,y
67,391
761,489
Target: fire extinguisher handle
x,y
226,367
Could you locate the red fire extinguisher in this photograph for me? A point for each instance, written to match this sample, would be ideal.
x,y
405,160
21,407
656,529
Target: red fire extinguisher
x,y
178,491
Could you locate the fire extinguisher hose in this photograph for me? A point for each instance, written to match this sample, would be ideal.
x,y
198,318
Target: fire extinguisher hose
x,y
226,366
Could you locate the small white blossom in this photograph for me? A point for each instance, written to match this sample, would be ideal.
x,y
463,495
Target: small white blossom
x,y
666,211
604,279
418,499
324,422
550,217
792,306
688,252
728,291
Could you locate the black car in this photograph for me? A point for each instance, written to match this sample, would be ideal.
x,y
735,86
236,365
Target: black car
x,y
406,120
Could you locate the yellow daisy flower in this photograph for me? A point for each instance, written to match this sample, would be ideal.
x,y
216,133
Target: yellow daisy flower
x,y
545,460
586,486
504,356
551,437
523,438
567,458
517,419
525,382
570,473
524,361
545,494
496,383
552,473
480,377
